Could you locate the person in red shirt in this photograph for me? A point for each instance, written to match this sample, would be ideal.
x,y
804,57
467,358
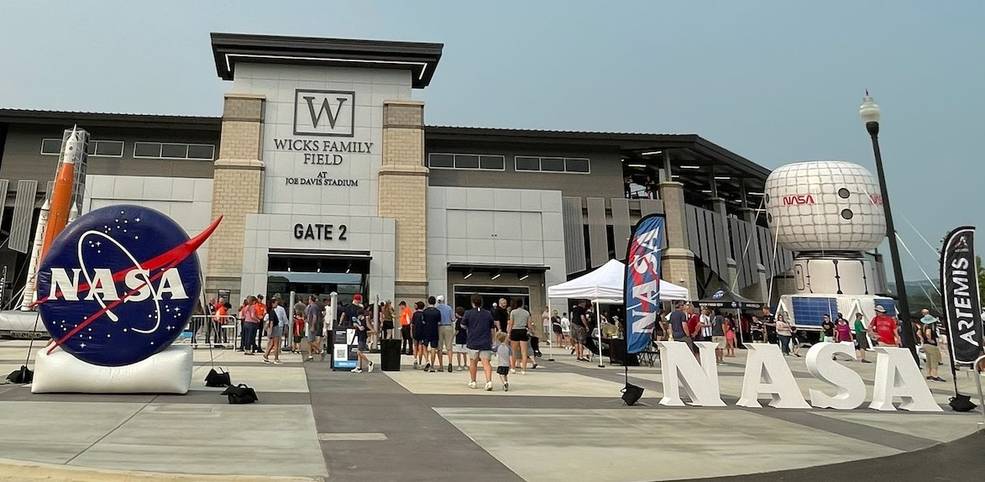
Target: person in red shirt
x,y
885,328
693,328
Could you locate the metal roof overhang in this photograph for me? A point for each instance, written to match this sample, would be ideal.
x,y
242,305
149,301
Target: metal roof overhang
x,y
419,58
506,268
110,119
688,149
320,253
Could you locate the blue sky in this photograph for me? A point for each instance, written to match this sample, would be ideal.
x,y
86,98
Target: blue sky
x,y
775,82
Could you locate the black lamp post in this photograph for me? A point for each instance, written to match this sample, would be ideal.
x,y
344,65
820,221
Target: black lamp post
x,y
869,111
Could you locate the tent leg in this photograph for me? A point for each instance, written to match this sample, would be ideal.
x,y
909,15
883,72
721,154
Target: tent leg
x,y
598,325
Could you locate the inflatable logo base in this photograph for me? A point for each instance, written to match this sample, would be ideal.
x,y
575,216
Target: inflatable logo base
x,y
168,371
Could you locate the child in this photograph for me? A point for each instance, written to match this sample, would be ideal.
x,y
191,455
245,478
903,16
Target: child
x,y
729,337
298,331
503,355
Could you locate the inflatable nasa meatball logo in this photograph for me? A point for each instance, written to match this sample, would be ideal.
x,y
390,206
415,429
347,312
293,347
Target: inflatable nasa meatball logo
x,y
119,284
825,206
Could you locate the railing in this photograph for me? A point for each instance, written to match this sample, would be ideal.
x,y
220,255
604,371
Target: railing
x,y
223,332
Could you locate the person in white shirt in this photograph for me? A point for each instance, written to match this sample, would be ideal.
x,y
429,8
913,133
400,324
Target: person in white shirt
x,y
705,324
565,330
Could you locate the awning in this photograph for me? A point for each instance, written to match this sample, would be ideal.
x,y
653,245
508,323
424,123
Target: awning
x,y
320,253
605,285
724,298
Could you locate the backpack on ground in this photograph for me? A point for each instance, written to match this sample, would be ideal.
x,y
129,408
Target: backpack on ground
x,y
218,378
241,394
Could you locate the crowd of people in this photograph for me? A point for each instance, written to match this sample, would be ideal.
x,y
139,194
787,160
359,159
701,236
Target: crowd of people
x,y
688,324
442,338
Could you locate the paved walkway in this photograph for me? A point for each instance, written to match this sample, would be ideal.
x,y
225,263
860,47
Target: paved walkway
x,y
563,421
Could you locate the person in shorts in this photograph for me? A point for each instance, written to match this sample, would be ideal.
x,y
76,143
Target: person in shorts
x,y
519,330
460,337
579,330
446,332
718,337
386,312
361,325
297,328
504,358
861,337
479,326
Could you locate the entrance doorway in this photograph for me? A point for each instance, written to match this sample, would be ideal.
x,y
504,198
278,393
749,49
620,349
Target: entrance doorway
x,y
317,274
490,295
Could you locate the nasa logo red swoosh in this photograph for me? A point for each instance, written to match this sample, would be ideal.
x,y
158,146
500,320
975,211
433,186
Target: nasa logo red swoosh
x,y
161,263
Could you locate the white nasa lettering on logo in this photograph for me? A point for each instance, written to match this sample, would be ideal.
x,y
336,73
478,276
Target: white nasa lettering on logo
x,y
66,287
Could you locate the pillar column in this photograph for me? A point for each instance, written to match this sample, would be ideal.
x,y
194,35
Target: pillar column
x,y
678,260
237,190
717,205
403,194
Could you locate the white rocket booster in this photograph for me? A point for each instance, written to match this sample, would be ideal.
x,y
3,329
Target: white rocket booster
x,y
32,268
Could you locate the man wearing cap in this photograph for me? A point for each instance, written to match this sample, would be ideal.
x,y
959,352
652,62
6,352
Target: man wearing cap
x,y
884,327
446,332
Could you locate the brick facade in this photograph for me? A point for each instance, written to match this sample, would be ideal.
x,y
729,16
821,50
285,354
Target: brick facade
x,y
678,260
403,193
237,190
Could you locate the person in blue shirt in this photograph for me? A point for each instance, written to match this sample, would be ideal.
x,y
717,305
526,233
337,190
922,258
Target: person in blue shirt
x,y
446,332
479,326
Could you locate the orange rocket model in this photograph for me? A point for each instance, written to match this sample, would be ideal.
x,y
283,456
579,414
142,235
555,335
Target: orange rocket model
x,y
61,192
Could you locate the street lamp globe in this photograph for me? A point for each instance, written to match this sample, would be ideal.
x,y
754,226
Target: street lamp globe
x,y
869,110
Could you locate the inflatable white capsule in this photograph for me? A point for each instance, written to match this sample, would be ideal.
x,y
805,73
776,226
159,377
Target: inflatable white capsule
x,y
823,206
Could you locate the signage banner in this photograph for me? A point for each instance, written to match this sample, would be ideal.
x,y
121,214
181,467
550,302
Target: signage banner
x,y
119,284
641,291
962,307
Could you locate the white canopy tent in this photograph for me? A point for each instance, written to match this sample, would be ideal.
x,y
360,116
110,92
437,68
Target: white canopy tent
x,y
605,286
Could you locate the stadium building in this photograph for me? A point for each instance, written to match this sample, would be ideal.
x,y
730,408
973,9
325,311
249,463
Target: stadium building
x,y
329,179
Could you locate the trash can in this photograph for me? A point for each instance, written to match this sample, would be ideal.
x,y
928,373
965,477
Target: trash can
x,y
390,355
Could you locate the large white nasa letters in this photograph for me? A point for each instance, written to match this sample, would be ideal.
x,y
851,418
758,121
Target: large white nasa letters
x,y
767,372
897,375
851,388
678,368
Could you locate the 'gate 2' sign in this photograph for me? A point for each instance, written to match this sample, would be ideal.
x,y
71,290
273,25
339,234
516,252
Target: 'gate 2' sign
x,y
323,232
324,113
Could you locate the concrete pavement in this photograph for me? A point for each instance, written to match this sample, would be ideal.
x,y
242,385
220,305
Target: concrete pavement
x,y
563,421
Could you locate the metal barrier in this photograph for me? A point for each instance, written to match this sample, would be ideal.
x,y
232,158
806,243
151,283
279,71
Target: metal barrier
x,y
217,334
